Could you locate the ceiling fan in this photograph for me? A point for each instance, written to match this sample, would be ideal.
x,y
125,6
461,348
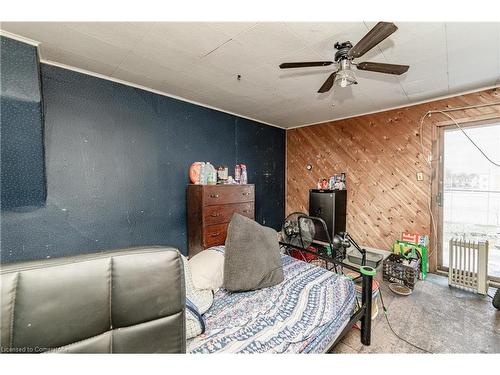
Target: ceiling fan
x,y
346,53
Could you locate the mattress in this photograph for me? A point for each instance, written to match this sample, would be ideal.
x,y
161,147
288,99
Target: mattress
x,y
303,314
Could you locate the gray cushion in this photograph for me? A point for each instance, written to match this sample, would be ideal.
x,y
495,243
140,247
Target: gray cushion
x,y
252,256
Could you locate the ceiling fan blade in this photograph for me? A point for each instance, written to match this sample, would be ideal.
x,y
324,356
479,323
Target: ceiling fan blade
x,y
328,83
305,64
383,68
379,32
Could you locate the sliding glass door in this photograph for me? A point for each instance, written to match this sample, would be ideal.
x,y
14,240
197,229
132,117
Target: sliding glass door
x,y
470,190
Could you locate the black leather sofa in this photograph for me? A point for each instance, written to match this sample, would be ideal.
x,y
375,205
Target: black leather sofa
x,y
126,301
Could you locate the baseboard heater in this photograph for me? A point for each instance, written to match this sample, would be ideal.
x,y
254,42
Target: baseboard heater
x,y
468,267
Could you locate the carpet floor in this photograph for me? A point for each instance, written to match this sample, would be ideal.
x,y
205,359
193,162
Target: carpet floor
x,y
434,317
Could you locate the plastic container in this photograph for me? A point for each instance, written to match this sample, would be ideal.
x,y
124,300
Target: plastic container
x,y
396,271
222,174
372,259
244,175
237,173
211,174
203,174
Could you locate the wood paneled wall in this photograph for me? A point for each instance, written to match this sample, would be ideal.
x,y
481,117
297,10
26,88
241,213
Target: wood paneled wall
x,y
381,154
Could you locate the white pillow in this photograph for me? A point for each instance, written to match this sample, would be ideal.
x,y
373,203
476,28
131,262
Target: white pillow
x,y
197,303
207,269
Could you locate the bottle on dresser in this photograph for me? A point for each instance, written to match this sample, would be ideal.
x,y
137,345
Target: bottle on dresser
x,y
244,175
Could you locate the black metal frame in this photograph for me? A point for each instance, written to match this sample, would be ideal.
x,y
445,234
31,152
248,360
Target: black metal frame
x,y
364,313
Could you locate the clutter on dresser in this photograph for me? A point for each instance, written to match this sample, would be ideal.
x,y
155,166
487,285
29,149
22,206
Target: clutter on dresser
x,y
240,174
244,175
194,172
210,174
201,173
204,173
323,183
222,174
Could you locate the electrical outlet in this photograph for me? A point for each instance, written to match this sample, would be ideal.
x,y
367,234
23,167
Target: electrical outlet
x,y
420,176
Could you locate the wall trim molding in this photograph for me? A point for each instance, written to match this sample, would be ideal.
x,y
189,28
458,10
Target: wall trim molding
x,y
131,84
496,86
19,38
123,82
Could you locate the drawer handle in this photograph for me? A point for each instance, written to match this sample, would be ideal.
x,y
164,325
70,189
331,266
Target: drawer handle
x,y
245,193
246,211
216,215
215,234
214,195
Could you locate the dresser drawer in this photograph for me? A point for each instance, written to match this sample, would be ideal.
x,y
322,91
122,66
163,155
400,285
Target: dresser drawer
x,y
210,209
223,213
214,235
225,194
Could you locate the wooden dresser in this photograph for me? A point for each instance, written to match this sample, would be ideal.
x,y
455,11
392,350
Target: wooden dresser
x,y
209,211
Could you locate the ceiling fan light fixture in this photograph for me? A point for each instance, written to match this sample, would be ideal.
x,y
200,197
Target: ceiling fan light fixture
x,y
345,76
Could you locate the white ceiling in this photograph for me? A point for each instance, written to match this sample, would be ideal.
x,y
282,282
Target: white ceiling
x,y
200,62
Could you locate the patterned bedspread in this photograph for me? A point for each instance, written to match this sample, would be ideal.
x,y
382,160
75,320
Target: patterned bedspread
x,y
303,314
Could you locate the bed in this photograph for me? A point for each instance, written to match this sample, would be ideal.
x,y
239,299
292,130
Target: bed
x,y
133,301
306,313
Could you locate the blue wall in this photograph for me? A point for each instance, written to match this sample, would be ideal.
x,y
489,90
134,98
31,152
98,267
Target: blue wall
x,y
22,169
116,161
